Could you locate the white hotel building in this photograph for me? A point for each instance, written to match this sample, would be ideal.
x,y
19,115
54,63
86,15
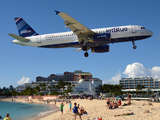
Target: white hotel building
x,y
88,86
83,86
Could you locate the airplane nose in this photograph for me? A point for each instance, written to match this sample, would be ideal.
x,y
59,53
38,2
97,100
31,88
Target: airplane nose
x,y
150,33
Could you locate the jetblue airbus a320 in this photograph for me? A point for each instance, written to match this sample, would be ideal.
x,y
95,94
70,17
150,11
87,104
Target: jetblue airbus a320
x,y
80,37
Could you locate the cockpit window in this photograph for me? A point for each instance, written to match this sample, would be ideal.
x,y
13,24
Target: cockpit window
x,y
143,28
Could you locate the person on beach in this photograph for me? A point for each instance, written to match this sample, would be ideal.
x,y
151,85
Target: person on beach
x,y
128,103
70,105
75,111
124,114
119,102
108,101
61,108
128,97
7,117
82,111
113,105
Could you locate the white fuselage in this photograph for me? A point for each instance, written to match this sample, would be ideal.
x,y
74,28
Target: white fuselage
x,y
69,39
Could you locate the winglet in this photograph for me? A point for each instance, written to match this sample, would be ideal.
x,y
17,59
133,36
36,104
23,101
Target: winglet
x,y
57,12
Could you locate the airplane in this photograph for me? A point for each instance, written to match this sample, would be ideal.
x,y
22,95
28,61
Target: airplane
x,y
80,37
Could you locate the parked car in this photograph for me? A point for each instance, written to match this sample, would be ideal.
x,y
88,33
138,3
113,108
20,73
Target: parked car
x,y
155,98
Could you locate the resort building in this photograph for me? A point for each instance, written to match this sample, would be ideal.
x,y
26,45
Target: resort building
x,y
82,82
84,86
47,84
88,86
66,76
148,82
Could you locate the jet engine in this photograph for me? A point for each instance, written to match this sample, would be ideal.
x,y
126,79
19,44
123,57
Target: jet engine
x,y
100,49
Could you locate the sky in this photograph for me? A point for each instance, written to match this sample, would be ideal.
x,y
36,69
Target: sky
x,y
20,64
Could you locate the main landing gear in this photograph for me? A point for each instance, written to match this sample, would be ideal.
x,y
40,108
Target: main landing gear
x,y
84,48
86,54
134,46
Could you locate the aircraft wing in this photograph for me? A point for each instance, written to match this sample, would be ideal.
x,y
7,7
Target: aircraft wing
x,y
80,30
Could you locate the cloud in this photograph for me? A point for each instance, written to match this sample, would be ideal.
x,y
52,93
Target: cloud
x,y
138,70
23,80
114,80
155,71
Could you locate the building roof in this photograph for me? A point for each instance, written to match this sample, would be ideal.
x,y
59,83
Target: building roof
x,y
83,73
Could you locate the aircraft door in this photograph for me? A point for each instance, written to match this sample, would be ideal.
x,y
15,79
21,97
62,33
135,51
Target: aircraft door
x,y
134,29
38,39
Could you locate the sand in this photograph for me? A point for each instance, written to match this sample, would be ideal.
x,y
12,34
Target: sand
x,y
97,108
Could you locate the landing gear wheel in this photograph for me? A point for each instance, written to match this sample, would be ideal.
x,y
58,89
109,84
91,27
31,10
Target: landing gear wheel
x,y
86,54
134,46
84,48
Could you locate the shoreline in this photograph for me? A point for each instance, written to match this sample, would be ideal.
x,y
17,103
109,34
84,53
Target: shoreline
x,y
53,107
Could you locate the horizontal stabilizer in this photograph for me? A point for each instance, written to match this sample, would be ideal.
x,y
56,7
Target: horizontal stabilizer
x,y
19,38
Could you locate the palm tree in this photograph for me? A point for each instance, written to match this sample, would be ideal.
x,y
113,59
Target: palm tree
x,y
69,89
44,87
37,89
28,91
4,88
49,87
11,88
68,84
14,93
41,85
140,87
61,84
1,91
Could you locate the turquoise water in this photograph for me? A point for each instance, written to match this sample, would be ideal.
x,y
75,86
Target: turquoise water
x,y
22,111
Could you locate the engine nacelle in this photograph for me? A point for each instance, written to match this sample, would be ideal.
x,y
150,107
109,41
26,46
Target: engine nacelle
x,y
104,37
100,49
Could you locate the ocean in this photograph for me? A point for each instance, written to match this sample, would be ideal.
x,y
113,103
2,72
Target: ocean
x,y
24,111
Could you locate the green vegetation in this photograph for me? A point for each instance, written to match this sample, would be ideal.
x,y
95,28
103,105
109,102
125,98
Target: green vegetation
x,y
115,89
40,89
7,91
63,88
140,87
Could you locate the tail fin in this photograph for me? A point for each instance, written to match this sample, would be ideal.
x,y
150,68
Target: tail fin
x,y
24,29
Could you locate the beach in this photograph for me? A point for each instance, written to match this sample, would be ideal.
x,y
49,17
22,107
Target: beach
x,y
97,108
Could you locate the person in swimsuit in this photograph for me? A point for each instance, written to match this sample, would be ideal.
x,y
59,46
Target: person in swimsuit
x,y
70,105
124,114
108,101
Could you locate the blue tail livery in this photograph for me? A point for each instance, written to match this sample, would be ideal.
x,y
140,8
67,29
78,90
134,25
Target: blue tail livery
x,y
24,29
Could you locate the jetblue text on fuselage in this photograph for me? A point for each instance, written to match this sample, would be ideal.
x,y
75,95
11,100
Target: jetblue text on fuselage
x,y
116,29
